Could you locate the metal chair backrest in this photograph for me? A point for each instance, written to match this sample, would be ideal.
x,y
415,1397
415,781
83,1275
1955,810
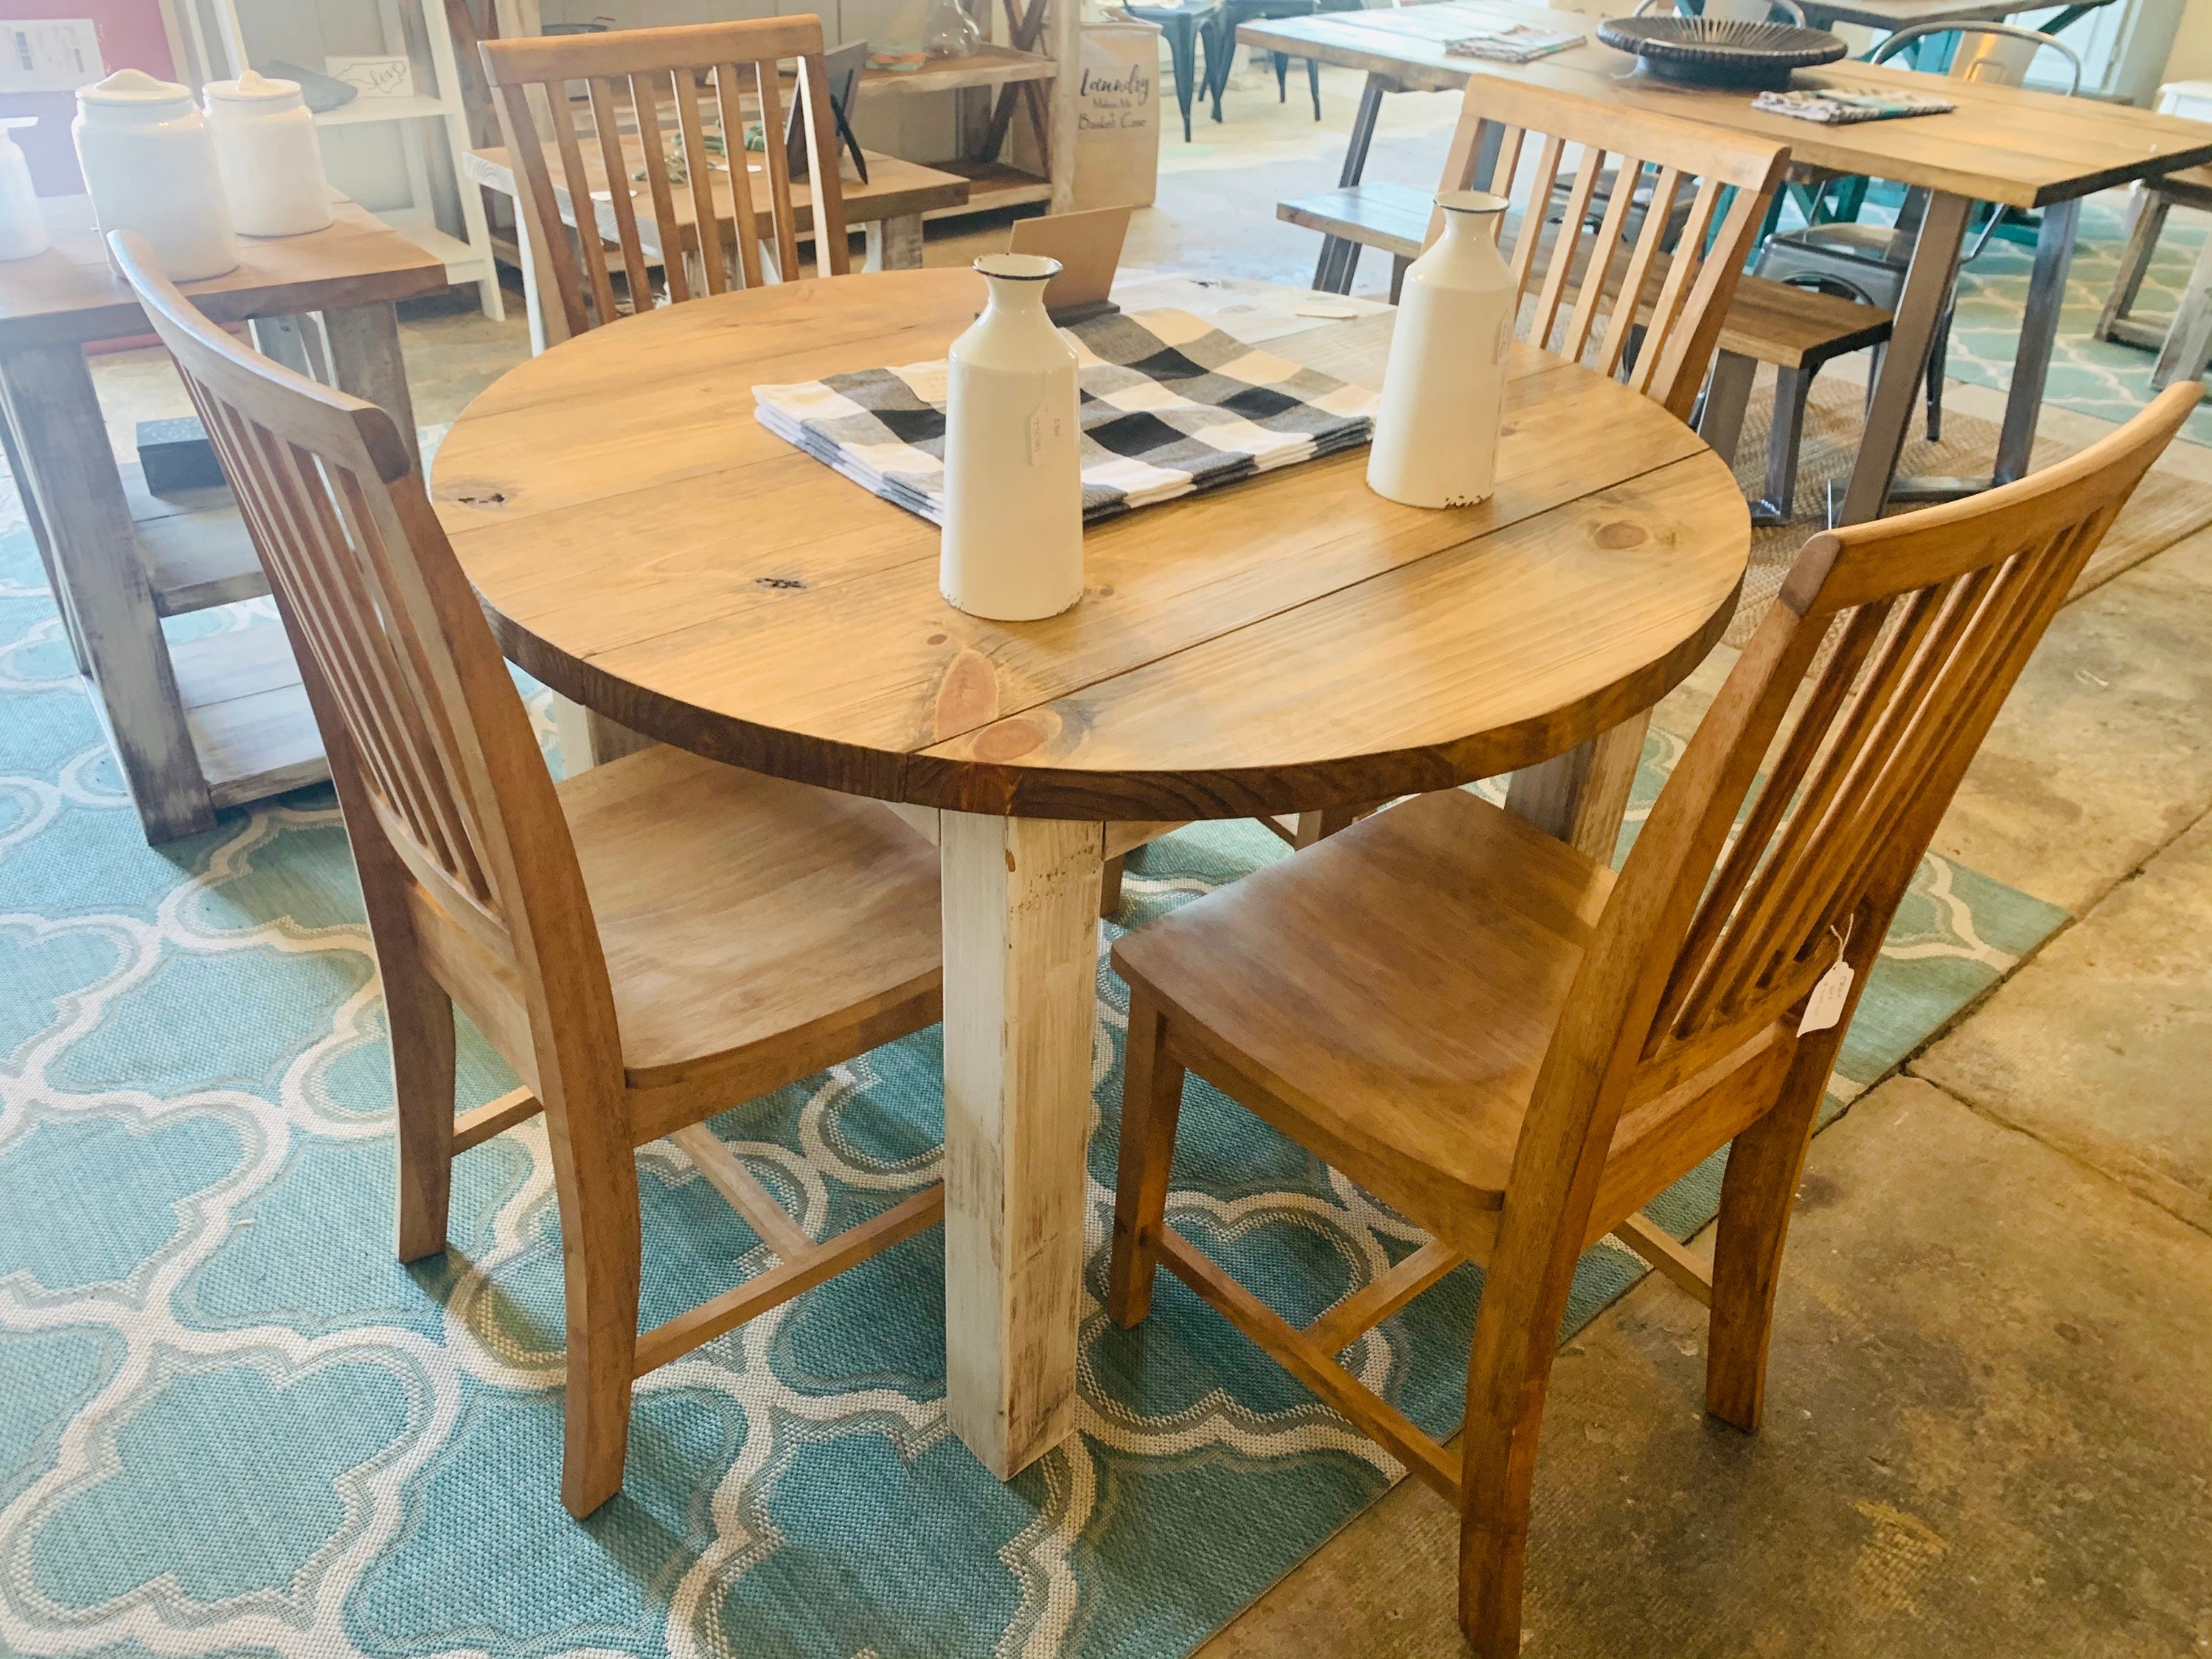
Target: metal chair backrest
x,y
1999,53
642,120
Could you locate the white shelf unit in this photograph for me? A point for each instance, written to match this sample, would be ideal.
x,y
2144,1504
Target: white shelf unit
x,y
467,258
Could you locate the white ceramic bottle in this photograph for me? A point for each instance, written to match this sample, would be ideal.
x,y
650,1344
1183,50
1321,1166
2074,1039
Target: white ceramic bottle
x,y
1443,389
1012,547
270,156
22,227
149,162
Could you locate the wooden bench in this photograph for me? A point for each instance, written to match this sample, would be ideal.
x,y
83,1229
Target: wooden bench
x,y
1794,329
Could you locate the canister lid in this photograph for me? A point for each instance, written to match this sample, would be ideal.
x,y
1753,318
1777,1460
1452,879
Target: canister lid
x,y
252,88
133,87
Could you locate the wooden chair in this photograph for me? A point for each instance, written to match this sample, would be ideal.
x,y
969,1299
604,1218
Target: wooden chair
x,y
646,943
635,79
1598,286
1518,1050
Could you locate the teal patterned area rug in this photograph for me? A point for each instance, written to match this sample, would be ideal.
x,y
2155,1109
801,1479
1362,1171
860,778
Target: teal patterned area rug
x,y
2095,377
230,1424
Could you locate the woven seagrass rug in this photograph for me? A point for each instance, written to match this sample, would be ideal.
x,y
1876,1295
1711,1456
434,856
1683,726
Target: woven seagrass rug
x,y
230,1424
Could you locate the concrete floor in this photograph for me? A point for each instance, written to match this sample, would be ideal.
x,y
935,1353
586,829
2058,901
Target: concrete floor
x,y
1989,1430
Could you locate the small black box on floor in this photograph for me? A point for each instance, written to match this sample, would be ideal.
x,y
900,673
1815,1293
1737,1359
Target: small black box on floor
x,y
176,456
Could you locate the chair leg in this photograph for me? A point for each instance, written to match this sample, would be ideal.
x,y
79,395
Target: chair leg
x,y
2146,212
1756,1194
1282,78
1313,83
1785,441
420,1016
1110,885
1151,1101
1399,265
1939,354
1728,396
595,1177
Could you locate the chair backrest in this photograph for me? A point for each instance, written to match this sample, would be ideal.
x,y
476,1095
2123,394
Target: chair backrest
x,y
1999,53
430,746
1717,929
642,123
1658,278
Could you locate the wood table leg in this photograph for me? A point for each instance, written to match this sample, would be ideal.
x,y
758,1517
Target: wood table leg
x,y
101,580
366,360
894,244
37,525
2188,339
1021,943
1582,796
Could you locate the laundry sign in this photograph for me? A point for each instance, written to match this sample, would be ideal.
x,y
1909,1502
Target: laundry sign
x,y
1117,116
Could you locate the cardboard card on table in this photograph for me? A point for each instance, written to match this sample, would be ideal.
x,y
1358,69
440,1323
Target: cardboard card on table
x,y
1089,248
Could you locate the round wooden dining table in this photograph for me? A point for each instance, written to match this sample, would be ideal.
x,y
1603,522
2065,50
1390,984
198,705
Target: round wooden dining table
x,y
1290,643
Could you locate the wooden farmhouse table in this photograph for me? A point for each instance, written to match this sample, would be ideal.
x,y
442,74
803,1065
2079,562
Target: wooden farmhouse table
x,y
214,721
1292,642
2001,145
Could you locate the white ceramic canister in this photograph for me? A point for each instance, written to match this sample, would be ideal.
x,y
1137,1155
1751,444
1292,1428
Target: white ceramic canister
x,y
270,156
1443,389
1013,546
149,162
22,227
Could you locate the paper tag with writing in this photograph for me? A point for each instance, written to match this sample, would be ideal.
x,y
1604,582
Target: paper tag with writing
x,y
1825,1006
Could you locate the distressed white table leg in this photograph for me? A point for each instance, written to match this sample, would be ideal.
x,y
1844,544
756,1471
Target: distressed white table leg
x,y
1021,943
894,244
589,738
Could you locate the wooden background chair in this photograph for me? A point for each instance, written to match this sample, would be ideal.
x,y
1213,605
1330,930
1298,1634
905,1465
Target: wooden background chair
x,y
639,82
1519,1051
647,944
1649,317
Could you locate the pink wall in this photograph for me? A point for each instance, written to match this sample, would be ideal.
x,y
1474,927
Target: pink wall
x,y
130,37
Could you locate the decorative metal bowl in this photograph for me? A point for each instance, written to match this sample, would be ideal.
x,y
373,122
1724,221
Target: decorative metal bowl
x,y
1699,51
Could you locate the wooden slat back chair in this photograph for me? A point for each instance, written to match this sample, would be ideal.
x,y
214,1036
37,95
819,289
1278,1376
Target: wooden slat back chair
x,y
646,943
637,78
1665,277
1518,1051
1668,248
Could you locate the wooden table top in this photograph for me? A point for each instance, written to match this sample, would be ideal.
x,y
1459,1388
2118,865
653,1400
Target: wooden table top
x,y
1293,641
895,188
69,295
2001,145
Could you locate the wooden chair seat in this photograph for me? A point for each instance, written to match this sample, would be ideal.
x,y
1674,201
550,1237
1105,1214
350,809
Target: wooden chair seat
x,y
1448,934
1417,1081
738,910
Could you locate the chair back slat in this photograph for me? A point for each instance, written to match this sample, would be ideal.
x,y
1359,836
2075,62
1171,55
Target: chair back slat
x,y
1931,618
429,745
1624,283
668,193
607,122
699,181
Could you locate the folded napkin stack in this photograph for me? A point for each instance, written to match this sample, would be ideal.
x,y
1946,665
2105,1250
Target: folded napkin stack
x,y
1844,105
1513,43
1171,405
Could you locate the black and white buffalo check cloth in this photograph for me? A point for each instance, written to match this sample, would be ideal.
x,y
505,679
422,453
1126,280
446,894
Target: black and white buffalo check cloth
x,y
1171,405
